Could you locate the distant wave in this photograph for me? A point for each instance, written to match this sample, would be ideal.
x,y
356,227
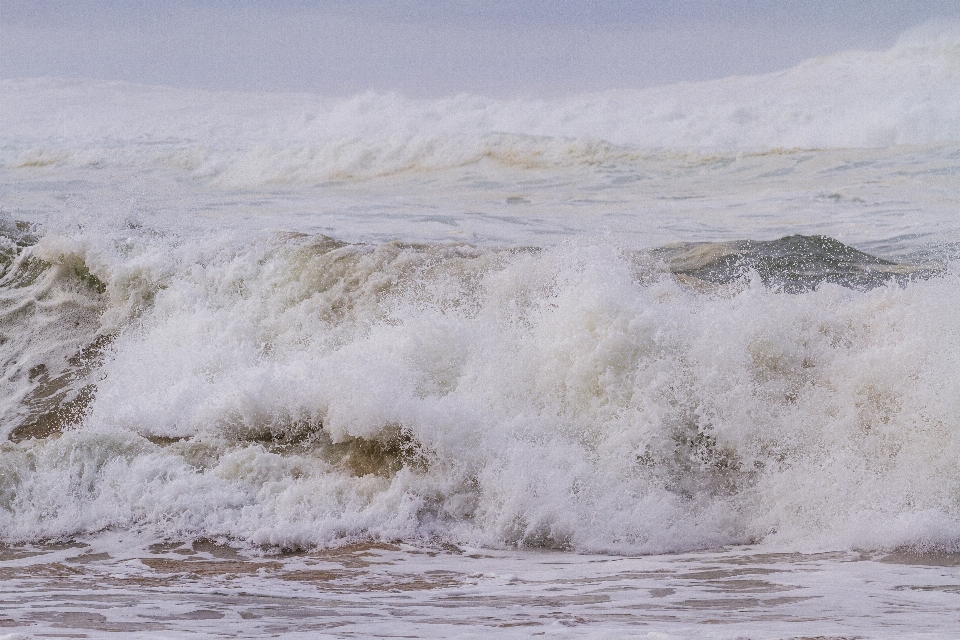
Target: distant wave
x,y
909,94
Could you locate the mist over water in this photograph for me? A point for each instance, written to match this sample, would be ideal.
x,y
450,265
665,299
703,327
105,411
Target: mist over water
x,y
428,49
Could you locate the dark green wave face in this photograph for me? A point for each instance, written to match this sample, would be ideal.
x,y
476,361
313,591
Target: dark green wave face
x,y
15,235
793,264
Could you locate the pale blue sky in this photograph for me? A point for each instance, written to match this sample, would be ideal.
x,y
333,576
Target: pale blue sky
x,y
532,47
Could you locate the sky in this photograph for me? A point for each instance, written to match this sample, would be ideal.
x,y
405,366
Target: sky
x,y
431,48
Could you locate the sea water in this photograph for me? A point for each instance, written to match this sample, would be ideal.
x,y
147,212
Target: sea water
x,y
678,362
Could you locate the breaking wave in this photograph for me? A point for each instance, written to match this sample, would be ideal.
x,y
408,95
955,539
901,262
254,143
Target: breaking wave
x,y
298,391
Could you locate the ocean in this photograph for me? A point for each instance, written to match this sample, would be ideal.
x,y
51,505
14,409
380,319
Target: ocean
x,y
665,363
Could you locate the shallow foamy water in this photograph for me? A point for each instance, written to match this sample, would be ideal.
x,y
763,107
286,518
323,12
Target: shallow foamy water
x,y
204,590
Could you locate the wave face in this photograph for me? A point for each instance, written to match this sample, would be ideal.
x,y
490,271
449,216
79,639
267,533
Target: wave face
x,y
908,95
296,391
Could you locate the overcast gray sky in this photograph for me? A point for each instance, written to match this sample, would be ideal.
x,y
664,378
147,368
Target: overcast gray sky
x,y
432,48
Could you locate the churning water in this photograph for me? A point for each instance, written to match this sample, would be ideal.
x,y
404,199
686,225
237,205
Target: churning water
x,y
458,342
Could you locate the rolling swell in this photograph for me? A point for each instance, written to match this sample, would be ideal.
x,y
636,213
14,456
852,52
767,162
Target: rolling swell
x,y
301,391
